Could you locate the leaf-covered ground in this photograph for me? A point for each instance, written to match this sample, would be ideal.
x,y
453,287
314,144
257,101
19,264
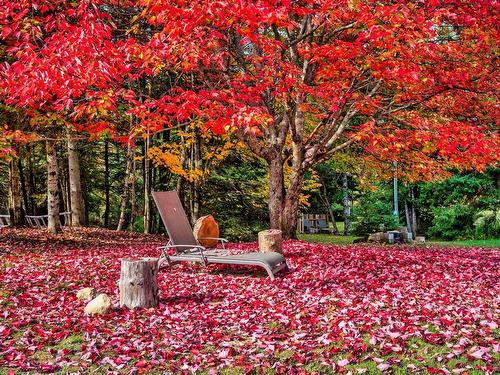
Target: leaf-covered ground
x,y
358,309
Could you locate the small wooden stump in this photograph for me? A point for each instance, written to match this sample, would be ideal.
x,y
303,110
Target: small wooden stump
x,y
138,283
270,240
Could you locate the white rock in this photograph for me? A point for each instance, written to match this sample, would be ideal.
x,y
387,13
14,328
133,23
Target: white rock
x,y
99,305
85,293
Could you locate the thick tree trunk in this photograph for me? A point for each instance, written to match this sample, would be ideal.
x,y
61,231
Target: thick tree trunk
x,y
54,223
346,204
147,188
126,187
276,187
15,206
106,185
75,184
291,206
138,283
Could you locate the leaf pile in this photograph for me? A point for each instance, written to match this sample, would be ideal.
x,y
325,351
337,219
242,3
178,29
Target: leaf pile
x,y
340,309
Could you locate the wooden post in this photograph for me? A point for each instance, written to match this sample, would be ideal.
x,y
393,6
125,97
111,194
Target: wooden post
x,y
138,283
270,240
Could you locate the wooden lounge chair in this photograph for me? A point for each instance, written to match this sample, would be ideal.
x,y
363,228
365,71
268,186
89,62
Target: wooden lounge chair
x,y
187,248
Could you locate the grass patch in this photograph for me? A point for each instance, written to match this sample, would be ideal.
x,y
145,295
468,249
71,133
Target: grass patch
x,y
327,238
72,343
495,242
232,371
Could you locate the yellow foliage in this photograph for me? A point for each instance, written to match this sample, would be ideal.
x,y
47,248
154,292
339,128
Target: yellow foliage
x,y
214,149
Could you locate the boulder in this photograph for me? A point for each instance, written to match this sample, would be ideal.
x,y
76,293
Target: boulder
x,y
85,293
380,237
375,237
99,305
206,226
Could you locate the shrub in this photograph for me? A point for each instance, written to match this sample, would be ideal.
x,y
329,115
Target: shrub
x,y
370,214
487,224
452,222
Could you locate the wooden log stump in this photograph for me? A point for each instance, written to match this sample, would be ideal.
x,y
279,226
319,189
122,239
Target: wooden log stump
x,y
138,283
270,240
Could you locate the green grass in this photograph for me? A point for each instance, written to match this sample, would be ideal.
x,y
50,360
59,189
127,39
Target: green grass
x,y
327,238
343,240
479,243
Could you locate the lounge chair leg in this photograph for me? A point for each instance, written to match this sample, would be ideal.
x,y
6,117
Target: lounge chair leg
x,y
269,272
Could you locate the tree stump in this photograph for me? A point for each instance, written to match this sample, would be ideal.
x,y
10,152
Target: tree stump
x,y
138,283
270,240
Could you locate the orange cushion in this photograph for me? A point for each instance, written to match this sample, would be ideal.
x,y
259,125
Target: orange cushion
x,y
206,226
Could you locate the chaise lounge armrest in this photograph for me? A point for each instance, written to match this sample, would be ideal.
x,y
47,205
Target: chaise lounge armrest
x,y
198,250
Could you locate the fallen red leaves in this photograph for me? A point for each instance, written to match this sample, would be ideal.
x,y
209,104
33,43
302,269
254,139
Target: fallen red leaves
x,y
339,306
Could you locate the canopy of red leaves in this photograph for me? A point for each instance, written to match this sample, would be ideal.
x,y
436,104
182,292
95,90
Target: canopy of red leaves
x,y
339,306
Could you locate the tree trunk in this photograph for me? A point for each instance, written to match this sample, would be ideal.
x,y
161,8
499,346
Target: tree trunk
x,y
31,185
408,218
276,186
54,223
126,187
414,228
328,205
106,184
138,283
75,184
15,206
147,188
24,190
346,204
133,196
291,206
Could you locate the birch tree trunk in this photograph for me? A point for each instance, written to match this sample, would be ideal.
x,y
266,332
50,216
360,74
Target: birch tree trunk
x,y
15,206
106,184
54,223
133,196
138,283
147,188
126,187
75,184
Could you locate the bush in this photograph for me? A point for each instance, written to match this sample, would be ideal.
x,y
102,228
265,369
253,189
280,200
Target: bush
x,y
453,222
370,214
487,224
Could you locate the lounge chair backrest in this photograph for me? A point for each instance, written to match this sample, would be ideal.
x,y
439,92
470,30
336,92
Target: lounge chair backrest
x,y
174,218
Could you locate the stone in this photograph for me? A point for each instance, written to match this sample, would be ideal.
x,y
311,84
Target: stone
x,y
85,293
206,226
380,237
420,239
99,305
270,240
